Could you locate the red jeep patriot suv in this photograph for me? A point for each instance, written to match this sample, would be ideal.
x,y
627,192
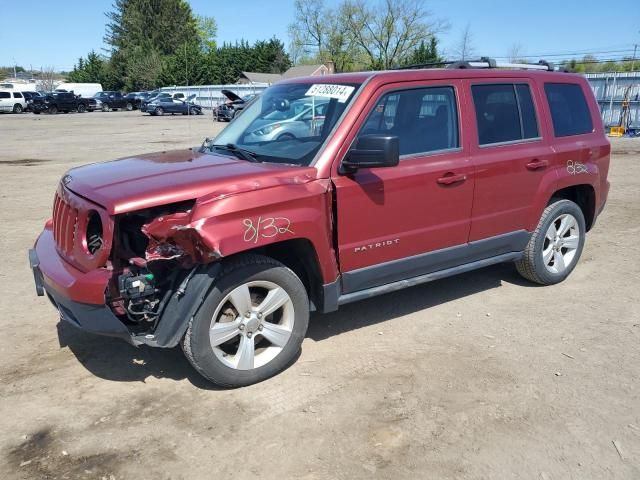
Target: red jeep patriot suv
x,y
322,192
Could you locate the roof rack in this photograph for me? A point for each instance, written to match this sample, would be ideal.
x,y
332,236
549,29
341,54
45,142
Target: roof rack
x,y
486,62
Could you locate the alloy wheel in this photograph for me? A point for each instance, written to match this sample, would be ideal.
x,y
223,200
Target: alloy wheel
x,y
252,325
561,243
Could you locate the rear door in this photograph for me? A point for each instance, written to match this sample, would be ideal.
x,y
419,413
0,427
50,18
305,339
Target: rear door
x,y
392,220
512,159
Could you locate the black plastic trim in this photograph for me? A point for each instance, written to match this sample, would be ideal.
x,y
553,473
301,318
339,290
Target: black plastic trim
x,y
180,309
96,319
429,277
34,263
446,258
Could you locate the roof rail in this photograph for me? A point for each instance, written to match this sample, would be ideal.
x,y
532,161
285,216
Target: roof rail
x,y
486,62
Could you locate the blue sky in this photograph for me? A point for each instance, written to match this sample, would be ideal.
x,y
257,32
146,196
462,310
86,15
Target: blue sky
x,y
57,33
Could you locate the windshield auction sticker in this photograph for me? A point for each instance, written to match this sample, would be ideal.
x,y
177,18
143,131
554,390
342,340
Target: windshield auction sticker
x,y
340,92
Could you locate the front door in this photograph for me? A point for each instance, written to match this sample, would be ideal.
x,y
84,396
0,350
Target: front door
x,y
394,223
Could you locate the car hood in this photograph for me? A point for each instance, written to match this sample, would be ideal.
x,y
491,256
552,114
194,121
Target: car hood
x,y
150,180
231,96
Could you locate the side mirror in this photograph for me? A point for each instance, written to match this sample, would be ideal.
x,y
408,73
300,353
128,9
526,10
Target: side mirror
x,y
372,151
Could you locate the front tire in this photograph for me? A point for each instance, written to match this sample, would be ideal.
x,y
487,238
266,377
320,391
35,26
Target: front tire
x,y
251,325
53,110
81,108
105,107
159,111
556,245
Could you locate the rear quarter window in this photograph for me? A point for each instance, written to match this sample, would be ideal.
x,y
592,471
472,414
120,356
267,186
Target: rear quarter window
x,y
569,110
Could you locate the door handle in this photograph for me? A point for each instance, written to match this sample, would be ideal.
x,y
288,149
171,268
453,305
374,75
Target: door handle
x,y
451,178
537,164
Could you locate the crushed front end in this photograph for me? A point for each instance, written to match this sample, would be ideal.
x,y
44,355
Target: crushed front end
x,y
121,275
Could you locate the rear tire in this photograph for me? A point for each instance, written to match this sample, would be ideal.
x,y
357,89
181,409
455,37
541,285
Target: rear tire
x,y
17,108
232,349
129,107
555,246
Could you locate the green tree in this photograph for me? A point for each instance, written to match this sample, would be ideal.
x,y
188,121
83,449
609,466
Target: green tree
x,y
91,70
144,34
270,56
207,32
360,34
424,54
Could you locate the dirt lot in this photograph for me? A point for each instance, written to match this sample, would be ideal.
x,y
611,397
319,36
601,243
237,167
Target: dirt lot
x,y
482,376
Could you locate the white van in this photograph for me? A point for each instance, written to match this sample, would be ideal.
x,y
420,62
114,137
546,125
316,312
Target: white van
x,y
86,90
12,101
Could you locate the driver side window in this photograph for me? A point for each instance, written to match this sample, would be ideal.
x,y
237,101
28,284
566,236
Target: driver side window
x,y
424,119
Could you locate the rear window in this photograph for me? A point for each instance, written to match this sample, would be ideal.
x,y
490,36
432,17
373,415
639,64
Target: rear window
x,y
504,113
569,110
5,95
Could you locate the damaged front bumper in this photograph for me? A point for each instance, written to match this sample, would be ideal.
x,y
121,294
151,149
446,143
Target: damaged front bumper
x,y
80,298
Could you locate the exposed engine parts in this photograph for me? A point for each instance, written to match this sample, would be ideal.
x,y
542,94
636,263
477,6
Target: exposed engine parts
x,y
156,255
140,296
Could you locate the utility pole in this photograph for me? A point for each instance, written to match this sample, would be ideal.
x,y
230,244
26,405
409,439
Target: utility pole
x,y
633,61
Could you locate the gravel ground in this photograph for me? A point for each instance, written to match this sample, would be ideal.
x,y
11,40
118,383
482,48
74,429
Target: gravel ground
x,y
482,376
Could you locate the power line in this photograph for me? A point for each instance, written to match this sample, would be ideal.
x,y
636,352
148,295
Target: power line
x,y
627,47
566,55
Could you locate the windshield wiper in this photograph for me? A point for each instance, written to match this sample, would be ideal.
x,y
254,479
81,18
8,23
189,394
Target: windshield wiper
x,y
242,153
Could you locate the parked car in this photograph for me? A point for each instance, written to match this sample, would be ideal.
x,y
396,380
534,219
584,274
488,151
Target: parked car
x,y
111,100
299,121
234,105
135,98
415,175
153,96
55,102
162,105
160,96
12,101
28,97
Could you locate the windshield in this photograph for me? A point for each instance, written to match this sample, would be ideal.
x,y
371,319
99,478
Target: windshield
x,y
287,123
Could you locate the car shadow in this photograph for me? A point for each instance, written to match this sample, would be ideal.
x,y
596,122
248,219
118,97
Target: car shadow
x,y
115,360
420,297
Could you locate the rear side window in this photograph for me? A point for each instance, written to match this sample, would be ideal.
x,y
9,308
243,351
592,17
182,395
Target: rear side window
x,y
424,119
504,113
5,95
569,110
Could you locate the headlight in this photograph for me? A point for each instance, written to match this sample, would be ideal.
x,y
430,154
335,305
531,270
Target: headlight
x,y
267,130
98,102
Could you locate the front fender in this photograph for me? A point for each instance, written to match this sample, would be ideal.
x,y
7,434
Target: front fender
x,y
230,224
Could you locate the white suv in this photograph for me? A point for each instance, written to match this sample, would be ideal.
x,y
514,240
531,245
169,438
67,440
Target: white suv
x,y
12,101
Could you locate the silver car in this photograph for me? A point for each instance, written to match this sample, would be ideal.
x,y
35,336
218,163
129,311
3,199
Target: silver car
x,y
302,119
